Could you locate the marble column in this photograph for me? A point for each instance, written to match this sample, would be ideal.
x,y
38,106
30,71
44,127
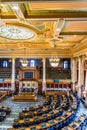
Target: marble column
x,y
86,98
86,89
44,75
13,75
74,73
86,81
80,75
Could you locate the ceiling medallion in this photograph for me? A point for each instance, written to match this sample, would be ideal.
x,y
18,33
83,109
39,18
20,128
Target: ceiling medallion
x,y
16,33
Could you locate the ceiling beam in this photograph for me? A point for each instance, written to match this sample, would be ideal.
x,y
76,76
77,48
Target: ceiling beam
x,y
74,33
48,14
57,14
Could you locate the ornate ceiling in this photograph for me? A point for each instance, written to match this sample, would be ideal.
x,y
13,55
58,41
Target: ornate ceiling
x,y
58,27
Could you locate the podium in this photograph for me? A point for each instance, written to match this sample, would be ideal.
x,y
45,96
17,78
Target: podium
x,y
28,86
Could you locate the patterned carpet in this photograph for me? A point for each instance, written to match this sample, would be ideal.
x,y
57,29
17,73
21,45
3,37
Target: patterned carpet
x,y
18,106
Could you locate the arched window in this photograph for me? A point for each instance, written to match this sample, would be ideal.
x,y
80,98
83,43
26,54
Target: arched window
x,y
5,64
32,63
65,64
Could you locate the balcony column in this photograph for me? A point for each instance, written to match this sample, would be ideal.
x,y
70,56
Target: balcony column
x,y
74,74
44,75
13,75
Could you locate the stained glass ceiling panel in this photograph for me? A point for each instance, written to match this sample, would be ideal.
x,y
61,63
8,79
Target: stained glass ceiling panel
x,y
13,32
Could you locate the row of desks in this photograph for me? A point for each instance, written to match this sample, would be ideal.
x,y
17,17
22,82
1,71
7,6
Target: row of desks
x,y
48,124
42,117
40,111
34,113
51,93
76,124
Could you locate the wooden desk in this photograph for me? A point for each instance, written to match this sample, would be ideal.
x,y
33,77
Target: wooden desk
x,y
7,92
51,93
74,126
42,126
38,127
68,128
53,122
25,98
55,111
2,96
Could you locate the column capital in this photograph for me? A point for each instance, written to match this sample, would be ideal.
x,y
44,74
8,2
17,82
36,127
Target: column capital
x,y
43,59
13,58
82,57
76,59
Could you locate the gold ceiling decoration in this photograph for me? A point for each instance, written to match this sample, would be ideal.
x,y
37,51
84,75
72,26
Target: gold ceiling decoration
x,y
64,20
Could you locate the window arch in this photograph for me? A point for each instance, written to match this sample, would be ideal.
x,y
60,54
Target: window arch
x,y
65,64
32,63
5,64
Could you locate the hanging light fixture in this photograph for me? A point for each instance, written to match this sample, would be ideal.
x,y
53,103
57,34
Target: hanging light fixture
x,y
24,61
54,61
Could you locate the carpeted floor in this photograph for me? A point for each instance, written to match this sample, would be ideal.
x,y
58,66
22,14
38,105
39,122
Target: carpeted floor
x,y
18,106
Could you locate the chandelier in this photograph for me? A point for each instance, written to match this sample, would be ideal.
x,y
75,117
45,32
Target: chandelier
x,y
54,61
24,62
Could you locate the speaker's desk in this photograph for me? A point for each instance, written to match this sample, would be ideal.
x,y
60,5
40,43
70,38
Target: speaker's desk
x,y
25,97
